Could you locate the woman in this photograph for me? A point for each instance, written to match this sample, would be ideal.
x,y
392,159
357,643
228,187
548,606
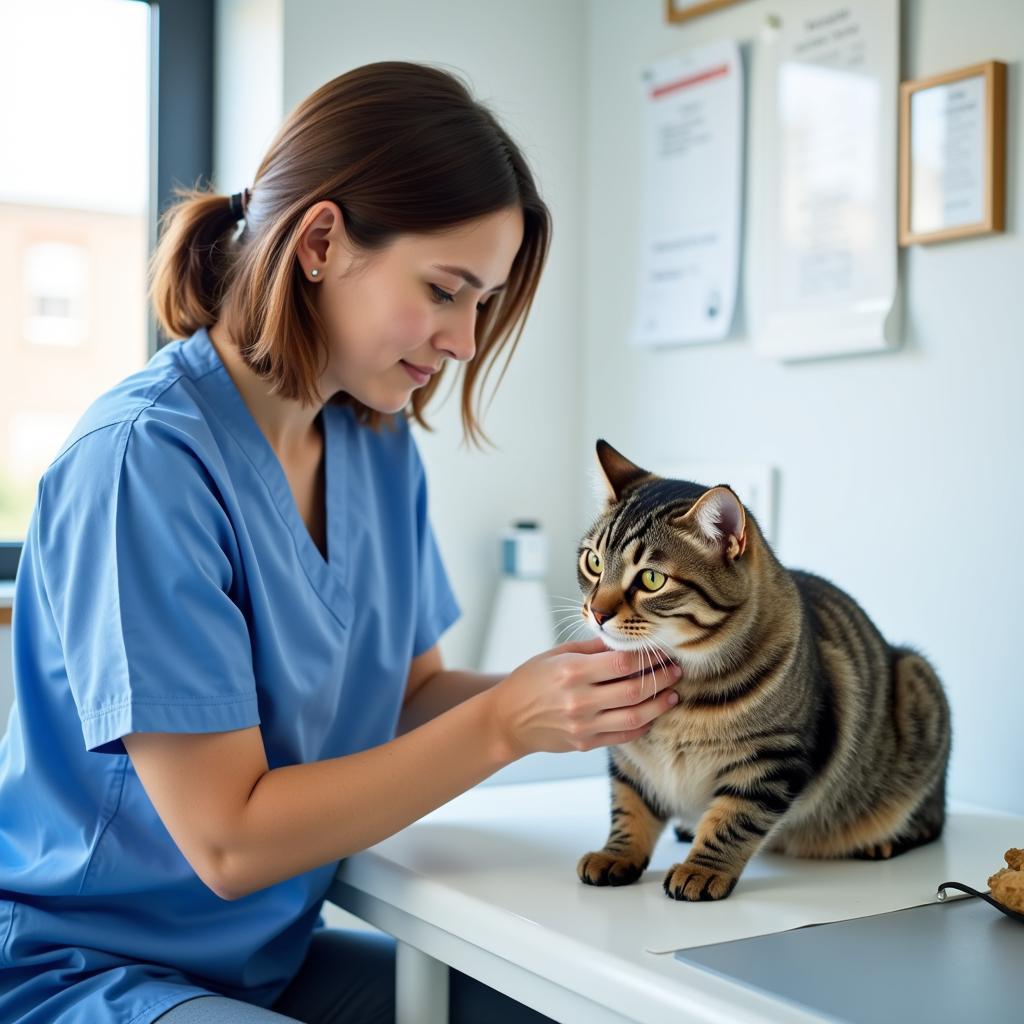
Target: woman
x,y
227,612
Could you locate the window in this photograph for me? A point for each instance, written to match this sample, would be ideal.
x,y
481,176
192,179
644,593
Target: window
x,y
108,103
56,281
73,224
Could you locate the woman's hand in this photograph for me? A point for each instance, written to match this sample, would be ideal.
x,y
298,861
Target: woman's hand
x,y
579,696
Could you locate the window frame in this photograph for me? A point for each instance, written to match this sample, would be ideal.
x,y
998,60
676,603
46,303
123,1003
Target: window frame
x,y
181,104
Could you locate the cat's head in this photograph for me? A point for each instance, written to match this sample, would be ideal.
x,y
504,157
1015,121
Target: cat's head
x,y
668,564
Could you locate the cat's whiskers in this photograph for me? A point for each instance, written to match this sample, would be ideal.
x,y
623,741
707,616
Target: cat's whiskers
x,y
568,609
658,645
568,630
565,628
572,615
563,625
645,654
663,647
653,655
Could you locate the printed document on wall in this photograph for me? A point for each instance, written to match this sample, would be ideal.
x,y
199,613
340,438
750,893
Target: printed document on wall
x,y
822,267
692,200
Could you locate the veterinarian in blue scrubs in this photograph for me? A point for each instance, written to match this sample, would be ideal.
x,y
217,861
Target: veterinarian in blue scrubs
x,y
230,594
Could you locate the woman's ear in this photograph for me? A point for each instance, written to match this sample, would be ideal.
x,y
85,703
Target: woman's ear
x,y
718,518
323,240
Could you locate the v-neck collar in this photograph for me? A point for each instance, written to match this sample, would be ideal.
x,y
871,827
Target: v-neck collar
x,y
327,576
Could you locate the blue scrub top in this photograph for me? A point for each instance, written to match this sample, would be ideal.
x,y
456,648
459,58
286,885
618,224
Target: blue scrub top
x,y
168,583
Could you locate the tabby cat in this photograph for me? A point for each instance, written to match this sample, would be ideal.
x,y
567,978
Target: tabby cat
x,y
798,727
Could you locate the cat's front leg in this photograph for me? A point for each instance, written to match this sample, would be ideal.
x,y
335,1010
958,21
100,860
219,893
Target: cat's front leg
x,y
637,822
743,811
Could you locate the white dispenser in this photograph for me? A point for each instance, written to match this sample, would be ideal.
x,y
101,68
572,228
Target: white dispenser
x,y
521,624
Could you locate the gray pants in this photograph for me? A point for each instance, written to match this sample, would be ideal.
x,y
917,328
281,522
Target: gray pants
x,y
348,977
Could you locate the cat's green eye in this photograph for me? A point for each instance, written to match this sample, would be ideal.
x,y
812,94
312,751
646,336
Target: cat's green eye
x,y
592,560
652,579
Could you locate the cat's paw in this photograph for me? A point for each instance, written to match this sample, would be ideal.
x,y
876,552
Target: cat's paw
x,y
876,851
604,868
693,883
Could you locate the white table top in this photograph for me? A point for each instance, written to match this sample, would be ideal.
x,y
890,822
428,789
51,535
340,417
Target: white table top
x,y
496,867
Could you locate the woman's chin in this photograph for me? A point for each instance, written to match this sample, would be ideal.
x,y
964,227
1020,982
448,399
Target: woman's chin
x,y
386,404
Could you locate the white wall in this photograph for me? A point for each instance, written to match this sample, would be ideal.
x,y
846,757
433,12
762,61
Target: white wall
x,y
248,91
899,473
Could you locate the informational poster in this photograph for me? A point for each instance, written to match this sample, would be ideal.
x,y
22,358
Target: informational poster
x,y
948,146
822,274
692,200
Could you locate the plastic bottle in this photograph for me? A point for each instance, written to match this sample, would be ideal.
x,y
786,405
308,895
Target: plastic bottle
x,y
521,624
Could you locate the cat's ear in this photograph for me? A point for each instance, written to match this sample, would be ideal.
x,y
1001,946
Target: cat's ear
x,y
719,519
618,472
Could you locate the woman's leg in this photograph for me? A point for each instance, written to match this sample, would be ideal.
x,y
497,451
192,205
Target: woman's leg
x,y
348,977
220,1010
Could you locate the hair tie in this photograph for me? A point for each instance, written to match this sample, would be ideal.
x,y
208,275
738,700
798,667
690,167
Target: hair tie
x,y
239,202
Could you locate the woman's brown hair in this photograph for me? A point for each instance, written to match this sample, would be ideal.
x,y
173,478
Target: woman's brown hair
x,y
401,148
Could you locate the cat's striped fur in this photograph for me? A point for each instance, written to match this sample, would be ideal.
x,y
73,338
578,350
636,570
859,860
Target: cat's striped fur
x,y
799,728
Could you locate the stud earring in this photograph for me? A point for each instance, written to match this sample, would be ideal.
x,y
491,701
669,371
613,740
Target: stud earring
x,y
314,272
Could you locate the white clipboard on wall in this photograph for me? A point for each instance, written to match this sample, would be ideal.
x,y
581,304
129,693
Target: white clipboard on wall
x,y
822,273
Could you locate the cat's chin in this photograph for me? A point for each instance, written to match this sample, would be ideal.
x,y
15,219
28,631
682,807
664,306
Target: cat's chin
x,y
618,643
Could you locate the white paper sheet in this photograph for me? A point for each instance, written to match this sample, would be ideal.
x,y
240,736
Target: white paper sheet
x,y
778,893
692,202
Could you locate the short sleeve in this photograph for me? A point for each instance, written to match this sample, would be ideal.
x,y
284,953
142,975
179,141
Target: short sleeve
x,y
139,559
436,608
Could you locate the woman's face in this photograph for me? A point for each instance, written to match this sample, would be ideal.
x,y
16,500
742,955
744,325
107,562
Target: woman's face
x,y
386,317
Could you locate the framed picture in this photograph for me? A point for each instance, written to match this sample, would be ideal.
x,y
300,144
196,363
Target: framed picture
x,y
953,154
683,10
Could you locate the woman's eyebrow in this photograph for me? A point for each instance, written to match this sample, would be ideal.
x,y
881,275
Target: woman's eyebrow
x,y
466,275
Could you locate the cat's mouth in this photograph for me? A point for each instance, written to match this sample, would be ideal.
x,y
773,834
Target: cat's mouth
x,y
620,643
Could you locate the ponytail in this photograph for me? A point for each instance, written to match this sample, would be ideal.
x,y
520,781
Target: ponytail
x,y
193,261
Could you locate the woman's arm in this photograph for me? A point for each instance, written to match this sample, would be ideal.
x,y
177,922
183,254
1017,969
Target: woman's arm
x,y
441,692
431,690
243,826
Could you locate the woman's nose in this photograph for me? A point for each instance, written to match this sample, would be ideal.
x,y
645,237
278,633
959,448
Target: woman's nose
x,y
459,340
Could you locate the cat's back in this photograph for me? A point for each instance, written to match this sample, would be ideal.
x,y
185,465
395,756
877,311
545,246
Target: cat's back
x,y
834,615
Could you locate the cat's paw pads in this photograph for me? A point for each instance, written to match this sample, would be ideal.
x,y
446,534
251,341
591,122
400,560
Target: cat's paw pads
x,y
604,868
692,883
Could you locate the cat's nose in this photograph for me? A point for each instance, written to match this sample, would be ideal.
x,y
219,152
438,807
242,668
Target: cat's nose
x,y
601,617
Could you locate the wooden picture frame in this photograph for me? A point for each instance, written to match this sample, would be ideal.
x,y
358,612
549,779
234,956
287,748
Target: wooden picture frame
x,y
693,8
949,120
